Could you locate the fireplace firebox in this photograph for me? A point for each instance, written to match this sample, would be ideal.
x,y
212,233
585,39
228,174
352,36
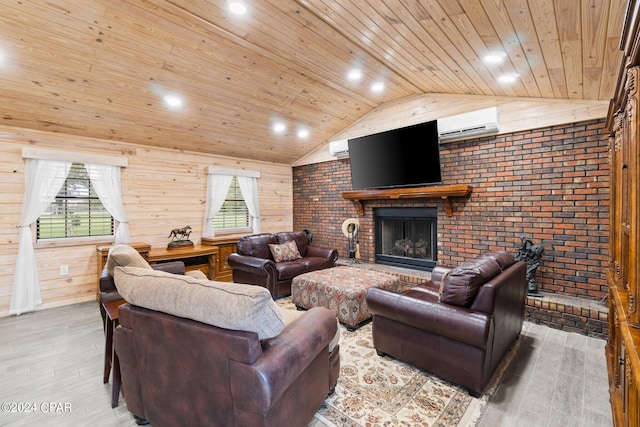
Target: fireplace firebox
x,y
406,237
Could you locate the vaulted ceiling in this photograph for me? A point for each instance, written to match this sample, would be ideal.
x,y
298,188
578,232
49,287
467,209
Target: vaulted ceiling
x,y
101,68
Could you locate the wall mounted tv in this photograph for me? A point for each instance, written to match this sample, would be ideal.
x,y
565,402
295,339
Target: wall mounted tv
x,y
405,157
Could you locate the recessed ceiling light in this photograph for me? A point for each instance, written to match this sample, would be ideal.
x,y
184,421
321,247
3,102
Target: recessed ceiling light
x,y
279,127
238,7
355,75
495,57
303,133
377,87
173,101
508,78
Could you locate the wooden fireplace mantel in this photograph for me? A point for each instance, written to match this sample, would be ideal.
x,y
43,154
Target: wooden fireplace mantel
x,y
445,192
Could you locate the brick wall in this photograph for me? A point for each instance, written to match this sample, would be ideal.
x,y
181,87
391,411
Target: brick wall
x,y
548,185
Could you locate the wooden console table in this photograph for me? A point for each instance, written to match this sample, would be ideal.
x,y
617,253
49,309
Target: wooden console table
x,y
444,192
198,257
210,257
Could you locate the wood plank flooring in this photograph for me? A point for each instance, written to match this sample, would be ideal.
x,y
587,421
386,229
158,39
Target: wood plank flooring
x,y
54,359
557,379
51,375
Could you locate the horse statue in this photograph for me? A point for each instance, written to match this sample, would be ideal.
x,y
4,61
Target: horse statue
x,y
180,233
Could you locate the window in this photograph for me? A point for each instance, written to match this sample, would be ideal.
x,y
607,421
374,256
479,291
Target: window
x,y
76,210
234,213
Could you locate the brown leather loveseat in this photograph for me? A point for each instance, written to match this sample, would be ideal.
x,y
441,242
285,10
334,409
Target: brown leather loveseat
x,y
254,263
460,324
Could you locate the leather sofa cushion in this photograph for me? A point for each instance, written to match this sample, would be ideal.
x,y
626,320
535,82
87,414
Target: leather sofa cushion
x,y
427,288
222,304
290,269
461,285
122,255
257,245
285,252
316,263
504,259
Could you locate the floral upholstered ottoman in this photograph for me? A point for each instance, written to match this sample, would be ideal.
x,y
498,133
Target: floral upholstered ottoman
x,y
342,290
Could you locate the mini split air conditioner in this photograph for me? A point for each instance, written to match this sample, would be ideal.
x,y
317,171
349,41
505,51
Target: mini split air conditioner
x,y
475,123
340,148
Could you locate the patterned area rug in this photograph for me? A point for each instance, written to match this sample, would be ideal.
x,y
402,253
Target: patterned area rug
x,y
382,391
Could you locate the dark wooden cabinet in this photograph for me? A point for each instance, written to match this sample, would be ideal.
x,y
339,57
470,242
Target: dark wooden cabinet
x,y
226,246
623,270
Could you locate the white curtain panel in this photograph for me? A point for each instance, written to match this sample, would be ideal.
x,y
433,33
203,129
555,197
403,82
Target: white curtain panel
x,y
217,188
106,182
43,180
249,188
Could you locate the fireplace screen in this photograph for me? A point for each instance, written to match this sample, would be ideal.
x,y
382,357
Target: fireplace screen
x,y
406,237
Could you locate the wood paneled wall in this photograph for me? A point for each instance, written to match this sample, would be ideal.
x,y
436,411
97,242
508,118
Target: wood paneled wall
x,y
514,115
162,189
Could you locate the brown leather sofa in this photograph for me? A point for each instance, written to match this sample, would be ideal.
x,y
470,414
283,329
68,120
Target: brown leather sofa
x,y
254,264
460,324
181,372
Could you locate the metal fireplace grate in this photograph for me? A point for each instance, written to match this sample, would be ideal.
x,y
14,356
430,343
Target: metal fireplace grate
x,y
406,237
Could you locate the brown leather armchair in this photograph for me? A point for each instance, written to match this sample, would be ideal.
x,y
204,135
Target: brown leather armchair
x,y
254,263
181,372
460,324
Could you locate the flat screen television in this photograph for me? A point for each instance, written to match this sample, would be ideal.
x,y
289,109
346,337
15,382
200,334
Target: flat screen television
x,y
405,157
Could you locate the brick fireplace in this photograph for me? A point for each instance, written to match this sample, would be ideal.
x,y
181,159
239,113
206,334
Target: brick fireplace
x,y
549,185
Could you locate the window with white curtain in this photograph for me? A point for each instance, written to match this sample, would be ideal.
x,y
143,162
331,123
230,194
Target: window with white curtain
x,y
233,216
46,175
232,202
76,211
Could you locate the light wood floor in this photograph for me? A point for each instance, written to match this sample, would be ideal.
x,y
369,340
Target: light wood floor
x,y
56,356
557,379
51,375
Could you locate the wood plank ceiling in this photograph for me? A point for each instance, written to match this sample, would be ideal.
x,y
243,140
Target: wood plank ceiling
x,y
100,68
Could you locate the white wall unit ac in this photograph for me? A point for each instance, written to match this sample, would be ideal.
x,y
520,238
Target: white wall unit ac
x,y
474,123
340,148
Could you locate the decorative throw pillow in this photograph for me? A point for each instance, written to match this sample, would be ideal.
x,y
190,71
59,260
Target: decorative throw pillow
x,y
461,285
222,304
285,252
121,255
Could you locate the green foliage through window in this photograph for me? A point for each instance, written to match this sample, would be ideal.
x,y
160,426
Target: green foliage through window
x,y
76,210
234,212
